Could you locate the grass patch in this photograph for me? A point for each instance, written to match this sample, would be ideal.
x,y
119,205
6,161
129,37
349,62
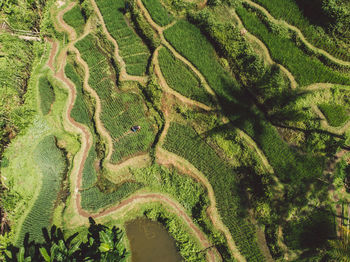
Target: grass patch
x,y
158,13
182,79
184,141
132,49
47,95
120,109
75,19
94,200
52,165
306,69
336,115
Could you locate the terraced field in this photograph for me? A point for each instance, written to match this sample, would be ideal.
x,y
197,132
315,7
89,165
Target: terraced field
x,y
228,128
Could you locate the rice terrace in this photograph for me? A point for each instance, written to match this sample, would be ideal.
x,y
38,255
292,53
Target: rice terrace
x,y
174,130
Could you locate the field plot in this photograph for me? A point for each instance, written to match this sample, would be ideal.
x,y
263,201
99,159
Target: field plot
x,y
131,47
120,110
306,69
158,13
180,78
93,199
184,141
52,165
290,12
47,95
336,115
75,19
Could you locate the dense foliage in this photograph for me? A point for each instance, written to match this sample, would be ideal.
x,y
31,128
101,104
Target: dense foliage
x,y
158,13
309,16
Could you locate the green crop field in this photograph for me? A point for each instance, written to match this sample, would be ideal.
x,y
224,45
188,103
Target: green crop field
x,y
121,110
75,19
52,165
306,69
132,49
290,12
157,11
117,111
336,115
185,142
47,95
182,79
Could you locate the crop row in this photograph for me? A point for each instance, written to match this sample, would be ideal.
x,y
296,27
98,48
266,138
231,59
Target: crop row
x,y
158,13
129,42
47,95
184,141
120,110
94,200
292,14
306,69
52,165
180,78
75,19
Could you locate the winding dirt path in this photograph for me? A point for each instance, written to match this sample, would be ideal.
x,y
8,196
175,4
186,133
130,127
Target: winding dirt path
x,y
265,50
300,35
86,137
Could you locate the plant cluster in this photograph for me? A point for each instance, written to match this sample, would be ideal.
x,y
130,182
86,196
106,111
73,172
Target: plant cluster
x,y
158,13
47,95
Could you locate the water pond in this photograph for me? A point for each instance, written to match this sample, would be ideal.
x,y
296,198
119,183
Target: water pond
x,y
150,242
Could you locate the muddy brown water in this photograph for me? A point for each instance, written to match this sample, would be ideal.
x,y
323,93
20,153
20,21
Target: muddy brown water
x,y
150,242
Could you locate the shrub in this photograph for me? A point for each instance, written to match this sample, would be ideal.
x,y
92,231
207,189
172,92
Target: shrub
x,y
336,115
158,13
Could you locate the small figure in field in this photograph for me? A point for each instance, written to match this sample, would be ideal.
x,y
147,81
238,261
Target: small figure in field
x,y
135,128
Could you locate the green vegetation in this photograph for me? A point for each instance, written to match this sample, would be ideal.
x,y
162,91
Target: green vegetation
x,y
52,164
158,13
94,200
331,15
336,115
89,172
306,69
131,47
184,141
120,109
186,38
182,79
47,95
75,19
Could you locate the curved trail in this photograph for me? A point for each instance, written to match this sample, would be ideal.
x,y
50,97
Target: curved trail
x,y
266,52
160,31
123,74
300,35
86,144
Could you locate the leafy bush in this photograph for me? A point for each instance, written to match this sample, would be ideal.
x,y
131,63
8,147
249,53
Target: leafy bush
x,y
75,19
336,115
158,13
306,69
47,95
184,141
182,79
52,164
129,43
